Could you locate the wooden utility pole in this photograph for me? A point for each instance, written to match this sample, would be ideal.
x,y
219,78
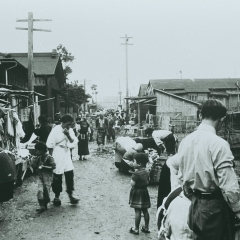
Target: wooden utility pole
x,y
126,44
238,103
84,86
120,93
30,29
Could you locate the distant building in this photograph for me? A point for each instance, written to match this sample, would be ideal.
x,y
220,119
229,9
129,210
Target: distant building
x,y
108,102
199,90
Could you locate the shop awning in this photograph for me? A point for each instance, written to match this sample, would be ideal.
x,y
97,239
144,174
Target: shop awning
x,y
5,91
150,101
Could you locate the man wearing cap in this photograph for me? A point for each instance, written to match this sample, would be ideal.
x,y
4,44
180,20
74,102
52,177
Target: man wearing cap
x,y
208,179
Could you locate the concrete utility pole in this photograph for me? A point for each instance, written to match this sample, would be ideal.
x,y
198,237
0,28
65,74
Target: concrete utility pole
x,y
126,44
30,29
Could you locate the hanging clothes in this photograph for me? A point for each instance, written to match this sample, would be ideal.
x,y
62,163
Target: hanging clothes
x,y
19,133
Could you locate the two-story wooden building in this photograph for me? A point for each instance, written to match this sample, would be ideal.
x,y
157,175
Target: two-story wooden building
x,y
48,73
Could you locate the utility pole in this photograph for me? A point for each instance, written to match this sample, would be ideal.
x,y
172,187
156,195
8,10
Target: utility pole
x,y
120,93
84,86
126,45
238,103
30,29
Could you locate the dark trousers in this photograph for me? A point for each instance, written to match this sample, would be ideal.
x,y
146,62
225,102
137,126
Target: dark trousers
x,y
57,182
111,134
211,219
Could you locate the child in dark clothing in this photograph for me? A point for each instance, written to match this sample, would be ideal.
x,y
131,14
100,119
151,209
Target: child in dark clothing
x,y
139,196
44,164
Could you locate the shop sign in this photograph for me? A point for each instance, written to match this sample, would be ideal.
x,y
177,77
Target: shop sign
x,y
24,114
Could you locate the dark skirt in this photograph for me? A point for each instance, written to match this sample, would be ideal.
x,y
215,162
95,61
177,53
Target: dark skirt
x,y
6,191
164,187
101,133
139,198
83,145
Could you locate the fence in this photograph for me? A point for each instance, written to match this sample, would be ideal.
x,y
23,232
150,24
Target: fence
x,y
184,127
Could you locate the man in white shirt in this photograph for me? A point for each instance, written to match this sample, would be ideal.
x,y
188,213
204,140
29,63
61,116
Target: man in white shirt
x,y
59,142
207,175
164,140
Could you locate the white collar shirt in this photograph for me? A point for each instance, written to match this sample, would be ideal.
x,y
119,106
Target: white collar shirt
x,y
205,164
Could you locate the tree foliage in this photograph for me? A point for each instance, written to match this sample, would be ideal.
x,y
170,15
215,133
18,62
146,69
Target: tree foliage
x,y
74,94
67,58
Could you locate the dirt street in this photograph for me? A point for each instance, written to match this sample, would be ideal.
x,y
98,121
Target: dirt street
x,y
103,211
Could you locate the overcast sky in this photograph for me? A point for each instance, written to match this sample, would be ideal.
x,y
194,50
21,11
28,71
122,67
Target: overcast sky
x,y
201,38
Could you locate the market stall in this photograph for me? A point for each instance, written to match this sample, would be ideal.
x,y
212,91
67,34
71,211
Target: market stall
x,y
124,144
18,117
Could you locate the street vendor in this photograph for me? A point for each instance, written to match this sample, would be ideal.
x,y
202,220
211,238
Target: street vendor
x,y
59,142
127,159
164,140
101,125
43,129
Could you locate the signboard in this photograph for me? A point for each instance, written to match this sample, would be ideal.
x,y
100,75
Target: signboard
x,y
24,114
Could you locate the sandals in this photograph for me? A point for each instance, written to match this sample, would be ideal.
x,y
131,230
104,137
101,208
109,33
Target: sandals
x,y
143,229
133,231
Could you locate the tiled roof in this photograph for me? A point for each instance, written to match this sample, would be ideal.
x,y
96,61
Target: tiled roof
x,y
43,63
215,83
196,85
165,84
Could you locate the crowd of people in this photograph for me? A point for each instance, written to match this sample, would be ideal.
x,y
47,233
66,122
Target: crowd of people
x,y
198,194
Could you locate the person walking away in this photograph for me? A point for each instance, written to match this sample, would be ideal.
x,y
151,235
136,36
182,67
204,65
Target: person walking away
x,y
101,125
83,138
208,178
43,129
139,197
44,165
111,130
59,142
8,176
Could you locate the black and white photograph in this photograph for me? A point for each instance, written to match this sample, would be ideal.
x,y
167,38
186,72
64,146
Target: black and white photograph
x,y
120,120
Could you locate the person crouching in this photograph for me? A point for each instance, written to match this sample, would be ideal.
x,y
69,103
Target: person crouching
x,y
44,165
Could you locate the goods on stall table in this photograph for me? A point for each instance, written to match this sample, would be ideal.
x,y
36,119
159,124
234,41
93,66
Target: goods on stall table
x,y
155,164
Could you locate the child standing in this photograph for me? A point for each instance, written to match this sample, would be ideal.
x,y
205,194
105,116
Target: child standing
x,y
139,196
44,164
